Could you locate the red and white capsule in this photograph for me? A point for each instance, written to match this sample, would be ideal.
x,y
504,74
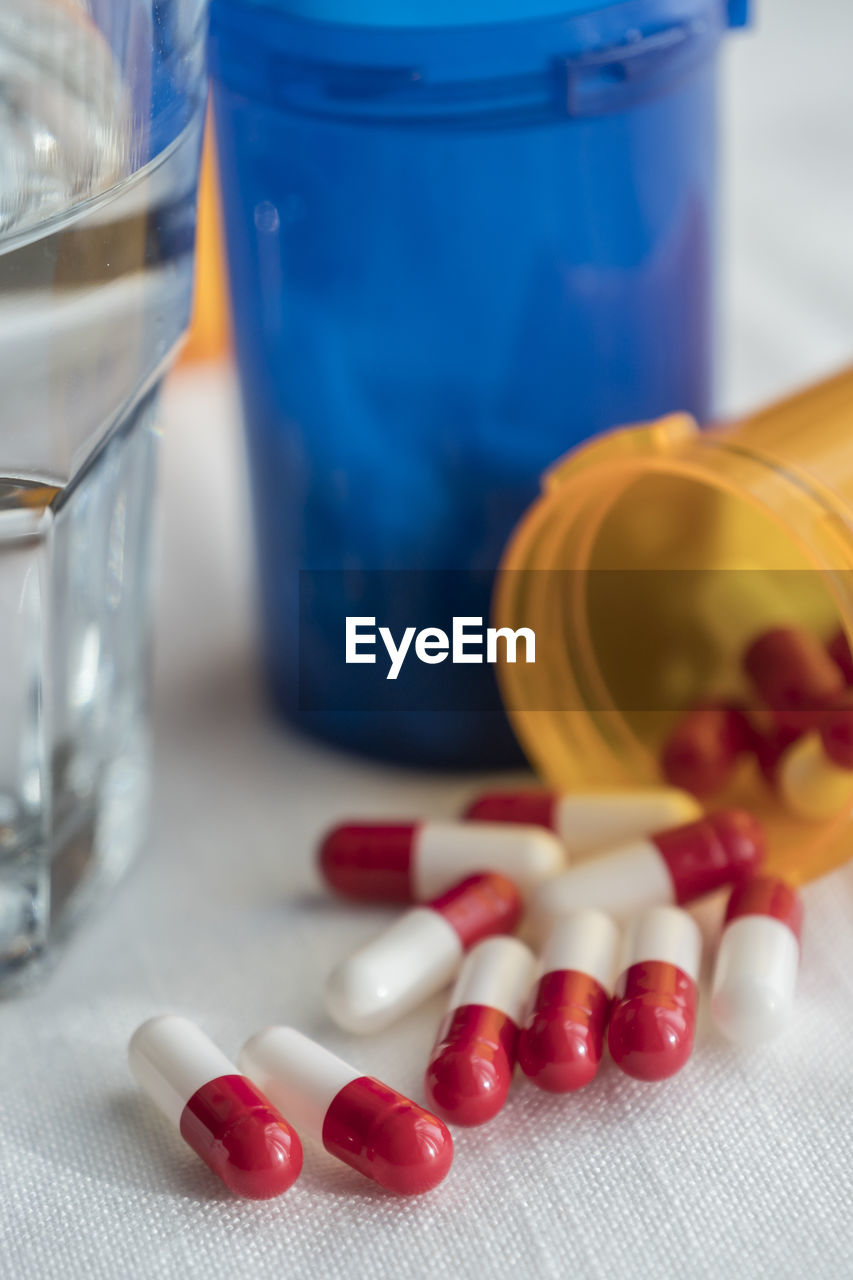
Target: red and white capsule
x,y
470,1069
813,774
359,1120
236,1131
755,972
562,1041
413,862
588,821
702,752
653,1019
673,866
794,675
420,953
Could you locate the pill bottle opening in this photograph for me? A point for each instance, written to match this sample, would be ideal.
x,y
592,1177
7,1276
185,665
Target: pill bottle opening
x,y
646,578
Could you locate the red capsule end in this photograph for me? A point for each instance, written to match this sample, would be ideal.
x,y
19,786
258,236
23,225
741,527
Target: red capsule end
x,y
701,753
387,1137
794,675
242,1138
651,1027
531,808
720,849
369,861
471,1067
560,1047
767,896
479,907
840,652
836,732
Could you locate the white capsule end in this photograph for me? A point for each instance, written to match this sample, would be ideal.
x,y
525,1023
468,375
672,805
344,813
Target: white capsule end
x,y
750,1014
171,1059
498,973
299,1076
586,941
663,935
755,976
810,786
591,821
404,966
620,883
355,998
446,852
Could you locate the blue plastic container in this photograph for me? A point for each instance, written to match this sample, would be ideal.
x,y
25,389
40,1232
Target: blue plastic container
x,y
454,251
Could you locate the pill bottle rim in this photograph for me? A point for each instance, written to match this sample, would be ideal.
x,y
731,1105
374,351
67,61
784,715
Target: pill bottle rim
x,y
593,746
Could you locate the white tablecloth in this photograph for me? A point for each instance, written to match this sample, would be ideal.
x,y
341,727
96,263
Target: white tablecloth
x,y
741,1167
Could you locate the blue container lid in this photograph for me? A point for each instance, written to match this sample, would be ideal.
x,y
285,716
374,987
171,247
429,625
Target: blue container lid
x,y
431,13
567,62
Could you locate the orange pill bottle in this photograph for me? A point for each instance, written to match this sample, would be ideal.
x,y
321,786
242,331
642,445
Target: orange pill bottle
x,y
652,557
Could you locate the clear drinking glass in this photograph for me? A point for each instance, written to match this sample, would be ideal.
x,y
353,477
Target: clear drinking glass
x,y
101,108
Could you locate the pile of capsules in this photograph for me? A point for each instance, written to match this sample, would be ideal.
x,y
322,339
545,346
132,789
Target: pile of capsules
x,y
469,881
601,880
798,730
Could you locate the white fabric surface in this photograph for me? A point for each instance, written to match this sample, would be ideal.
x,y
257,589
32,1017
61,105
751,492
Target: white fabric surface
x,y
741,1166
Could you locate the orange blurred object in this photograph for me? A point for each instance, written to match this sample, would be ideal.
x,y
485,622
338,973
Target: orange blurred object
x,y
209,331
